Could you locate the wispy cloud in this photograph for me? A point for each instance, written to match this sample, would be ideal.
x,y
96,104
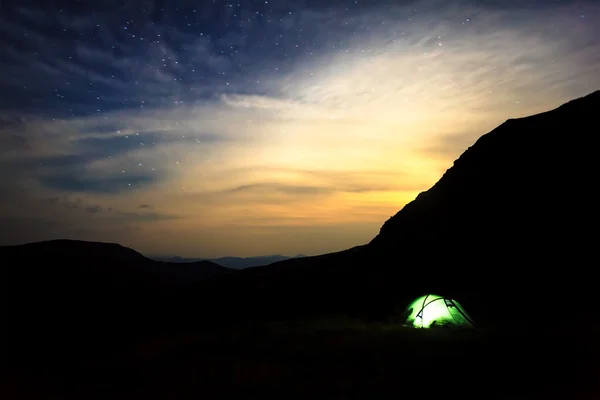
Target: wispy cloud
x,y
320,120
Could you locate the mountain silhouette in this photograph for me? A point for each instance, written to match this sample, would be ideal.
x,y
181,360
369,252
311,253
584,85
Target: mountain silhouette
x,y
185,274
511,229
120,265
64,293
517,216
232,262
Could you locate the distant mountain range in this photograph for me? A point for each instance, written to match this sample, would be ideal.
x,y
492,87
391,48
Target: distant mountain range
x,y
231,262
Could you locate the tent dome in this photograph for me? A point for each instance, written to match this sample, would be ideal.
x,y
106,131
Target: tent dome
x,y
432,310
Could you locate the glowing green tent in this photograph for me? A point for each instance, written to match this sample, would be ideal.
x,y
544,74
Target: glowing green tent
x,y
432,311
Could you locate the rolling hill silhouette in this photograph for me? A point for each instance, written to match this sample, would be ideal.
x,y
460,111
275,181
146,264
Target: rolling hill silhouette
x,y
68,292
109,262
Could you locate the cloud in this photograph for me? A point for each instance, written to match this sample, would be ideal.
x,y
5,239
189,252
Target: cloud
x,y
315,183
449,147
27,218
263,189
325,118
118,66
94,209
146,216
286,189
426,73
256,101
115,184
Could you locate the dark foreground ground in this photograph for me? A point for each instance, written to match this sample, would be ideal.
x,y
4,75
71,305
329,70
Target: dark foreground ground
x,y
332,359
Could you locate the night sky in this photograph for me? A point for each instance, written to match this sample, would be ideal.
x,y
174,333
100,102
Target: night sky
x,y
206,129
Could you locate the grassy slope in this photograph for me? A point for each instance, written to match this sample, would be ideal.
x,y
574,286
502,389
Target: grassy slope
x,y
337,357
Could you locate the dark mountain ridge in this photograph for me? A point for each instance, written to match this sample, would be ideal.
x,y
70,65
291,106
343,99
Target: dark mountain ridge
x,y
518,214
62,294
108,260
524,152
79,248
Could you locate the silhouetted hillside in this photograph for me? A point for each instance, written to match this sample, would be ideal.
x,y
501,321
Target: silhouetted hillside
x,y
517,217
120,265
232,262
185,274
65,292
513,224
77,248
